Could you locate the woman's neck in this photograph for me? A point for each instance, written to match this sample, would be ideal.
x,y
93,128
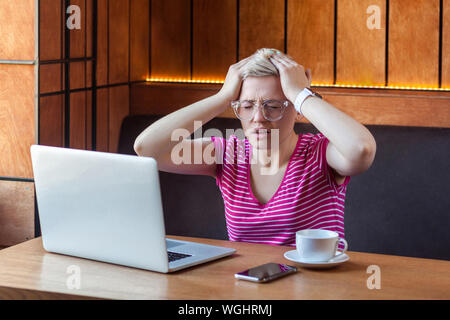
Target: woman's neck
x,y
274,158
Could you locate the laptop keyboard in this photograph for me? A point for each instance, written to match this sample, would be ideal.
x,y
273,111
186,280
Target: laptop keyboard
x,y
173,256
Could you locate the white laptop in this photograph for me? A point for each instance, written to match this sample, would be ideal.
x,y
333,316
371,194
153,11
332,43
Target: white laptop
x,y
107,207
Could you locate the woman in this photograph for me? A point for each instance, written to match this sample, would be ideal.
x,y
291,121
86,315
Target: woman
x,y
273,182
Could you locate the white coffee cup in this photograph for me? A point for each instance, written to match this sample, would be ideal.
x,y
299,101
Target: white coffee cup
x,y
317,245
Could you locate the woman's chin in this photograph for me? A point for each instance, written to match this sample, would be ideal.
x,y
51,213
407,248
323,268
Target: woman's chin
x,y
260,141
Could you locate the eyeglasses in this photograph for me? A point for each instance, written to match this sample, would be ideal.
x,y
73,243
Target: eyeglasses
x,y
273,110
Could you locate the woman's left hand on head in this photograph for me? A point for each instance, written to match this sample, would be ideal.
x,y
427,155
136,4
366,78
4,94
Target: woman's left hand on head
x,y
293,76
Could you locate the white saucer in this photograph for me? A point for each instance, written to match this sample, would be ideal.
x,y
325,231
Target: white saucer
x,y
293,256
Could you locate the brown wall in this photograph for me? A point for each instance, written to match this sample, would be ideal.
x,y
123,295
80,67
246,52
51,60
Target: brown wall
x,y
330,37
200,39
17,87
410,49
17,119
88,112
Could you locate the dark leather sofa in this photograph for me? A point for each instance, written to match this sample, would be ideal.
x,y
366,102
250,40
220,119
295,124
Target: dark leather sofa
x,y
400,206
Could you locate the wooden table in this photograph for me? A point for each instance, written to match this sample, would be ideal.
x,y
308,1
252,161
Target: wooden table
x,y
28,271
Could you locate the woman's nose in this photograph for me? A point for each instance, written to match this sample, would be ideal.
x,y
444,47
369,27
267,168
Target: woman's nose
x,y
259,116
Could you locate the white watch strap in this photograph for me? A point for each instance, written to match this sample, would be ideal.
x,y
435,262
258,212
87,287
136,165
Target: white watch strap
x,y
300,98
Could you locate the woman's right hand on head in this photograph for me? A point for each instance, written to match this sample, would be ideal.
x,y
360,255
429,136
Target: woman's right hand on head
x,y
233,81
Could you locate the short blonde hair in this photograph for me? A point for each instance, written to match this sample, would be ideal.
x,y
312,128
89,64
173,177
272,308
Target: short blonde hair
x,y
259,64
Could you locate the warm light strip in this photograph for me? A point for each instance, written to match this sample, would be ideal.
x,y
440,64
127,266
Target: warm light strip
x,y
184,80
312,84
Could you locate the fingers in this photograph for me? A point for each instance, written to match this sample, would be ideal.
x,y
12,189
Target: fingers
x,y
243,62
285,59
278,61
309,74
285,62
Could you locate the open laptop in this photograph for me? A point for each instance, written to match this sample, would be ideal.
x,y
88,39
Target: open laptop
x,y
107,207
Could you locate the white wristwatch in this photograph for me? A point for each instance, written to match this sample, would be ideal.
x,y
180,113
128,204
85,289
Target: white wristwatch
x,y
301,97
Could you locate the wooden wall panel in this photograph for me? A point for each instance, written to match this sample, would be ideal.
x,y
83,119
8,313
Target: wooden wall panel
x,y
261,25
118,41
17,123
102,125
78,120
413,43
77,75
50,24
213,54
369,106
51,123
102,42
16,212
50,77
17,20
78,36
89,26
118,109
89,78
360,50
139,40
310,37
388,107
171,39
166,98
88,106
446,45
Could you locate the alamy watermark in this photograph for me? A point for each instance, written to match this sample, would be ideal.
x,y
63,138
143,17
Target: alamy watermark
x,y
374,20
74,20
73,281
182,153
374,281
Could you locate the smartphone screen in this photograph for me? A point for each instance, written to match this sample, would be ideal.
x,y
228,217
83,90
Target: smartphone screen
x,y
266,272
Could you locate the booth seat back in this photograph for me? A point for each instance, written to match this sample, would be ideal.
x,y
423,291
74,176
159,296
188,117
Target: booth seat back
x,y
400,206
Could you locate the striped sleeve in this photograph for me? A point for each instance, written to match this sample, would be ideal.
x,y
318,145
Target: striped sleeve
x,y
219,151
318,151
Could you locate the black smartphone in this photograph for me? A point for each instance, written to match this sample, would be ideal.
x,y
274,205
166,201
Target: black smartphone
x,y
266,272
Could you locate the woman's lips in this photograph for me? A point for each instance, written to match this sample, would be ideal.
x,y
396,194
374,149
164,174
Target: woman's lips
x,y
261,132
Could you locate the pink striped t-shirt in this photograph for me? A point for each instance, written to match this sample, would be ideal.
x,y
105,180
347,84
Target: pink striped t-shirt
x,y
308,197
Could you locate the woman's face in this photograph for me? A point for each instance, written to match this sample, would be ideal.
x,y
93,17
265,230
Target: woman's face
x,y
260,89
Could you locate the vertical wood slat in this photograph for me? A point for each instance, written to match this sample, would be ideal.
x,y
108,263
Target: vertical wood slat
x,y
446,45
139,40
50,77
413,43
261,25
78,120
88,132
89,26
310,37
119,108
102,42
51,124
213,54
77,36
102,125
118,35
77,75
50,29
171,39
360,50
89,42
